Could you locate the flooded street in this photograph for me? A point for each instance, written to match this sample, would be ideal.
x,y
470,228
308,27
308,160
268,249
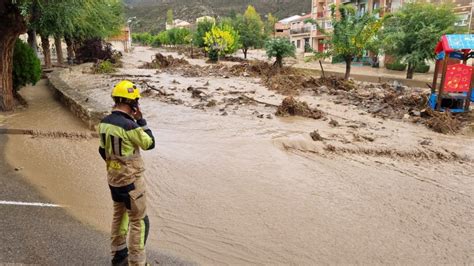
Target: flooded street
x,y
237,189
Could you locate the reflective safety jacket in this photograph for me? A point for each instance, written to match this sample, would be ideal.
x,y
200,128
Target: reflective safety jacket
x,y
121,138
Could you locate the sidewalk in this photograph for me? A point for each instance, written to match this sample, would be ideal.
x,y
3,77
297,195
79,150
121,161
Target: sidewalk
x,y
370,74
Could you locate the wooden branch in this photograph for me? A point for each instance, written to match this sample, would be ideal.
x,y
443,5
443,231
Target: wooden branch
x,y
161,92
130,76
257,101
322,69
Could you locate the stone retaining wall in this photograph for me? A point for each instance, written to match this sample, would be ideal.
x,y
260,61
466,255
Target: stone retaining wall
x,y
87,109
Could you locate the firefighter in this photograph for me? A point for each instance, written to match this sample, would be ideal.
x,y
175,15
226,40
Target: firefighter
x,y
122,134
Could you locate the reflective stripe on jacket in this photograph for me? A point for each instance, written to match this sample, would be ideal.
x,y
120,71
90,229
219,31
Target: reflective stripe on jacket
x,y
120,141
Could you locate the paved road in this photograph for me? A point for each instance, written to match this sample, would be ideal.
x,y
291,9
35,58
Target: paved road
x,y
45,235
42,235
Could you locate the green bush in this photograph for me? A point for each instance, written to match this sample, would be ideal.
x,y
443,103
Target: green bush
x,y
26,65
142,38
423,68
396,66
156,42
104,67
213,55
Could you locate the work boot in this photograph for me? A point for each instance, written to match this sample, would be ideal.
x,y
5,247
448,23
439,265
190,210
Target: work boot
x,y
120,258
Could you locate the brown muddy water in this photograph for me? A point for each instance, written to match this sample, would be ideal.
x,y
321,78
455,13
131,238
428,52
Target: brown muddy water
x,y
239,190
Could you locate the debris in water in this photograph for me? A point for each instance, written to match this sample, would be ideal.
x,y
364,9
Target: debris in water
x,y
197,92
333,123
162,61
49,134
292,107
316,136
442,122
330,148
426,142
211,103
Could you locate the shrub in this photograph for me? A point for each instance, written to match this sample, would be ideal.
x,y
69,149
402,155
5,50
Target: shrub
x,y
397,65
424,68
142,38
213,55
93,50
104,67
26,65
156,42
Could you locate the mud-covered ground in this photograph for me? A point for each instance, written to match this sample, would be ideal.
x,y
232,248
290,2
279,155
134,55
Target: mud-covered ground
x,y
231,182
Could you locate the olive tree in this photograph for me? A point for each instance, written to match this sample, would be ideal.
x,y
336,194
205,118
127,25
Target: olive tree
x,y
279,48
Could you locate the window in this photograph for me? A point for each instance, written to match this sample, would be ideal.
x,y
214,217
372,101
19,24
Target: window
x,y
279,30
463,20
328,25
298,44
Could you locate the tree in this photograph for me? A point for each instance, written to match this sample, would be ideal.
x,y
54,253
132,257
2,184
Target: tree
x,y
250,29
169,17
26,65
279,48
412,33
12,24
351,33
73,18
270,25
203,27
220,42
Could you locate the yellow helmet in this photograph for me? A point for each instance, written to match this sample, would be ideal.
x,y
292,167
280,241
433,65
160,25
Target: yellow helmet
x,y
126,89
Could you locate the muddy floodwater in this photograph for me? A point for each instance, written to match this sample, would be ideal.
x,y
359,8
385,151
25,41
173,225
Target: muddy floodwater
x,y
237,189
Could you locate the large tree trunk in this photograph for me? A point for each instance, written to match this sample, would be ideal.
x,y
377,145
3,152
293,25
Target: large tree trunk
x,y
32,41
279,61
410,71
46,51
348,68
12,24
7,44
59,49
70,48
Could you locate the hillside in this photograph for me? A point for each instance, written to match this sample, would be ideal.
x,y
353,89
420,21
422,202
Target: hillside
x,y
151,14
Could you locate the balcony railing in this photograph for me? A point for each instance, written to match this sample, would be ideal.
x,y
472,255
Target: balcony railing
x,y
301,30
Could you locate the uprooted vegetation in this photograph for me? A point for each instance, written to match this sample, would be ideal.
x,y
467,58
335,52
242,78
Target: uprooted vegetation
x,y
387,101
286,80
162,61
445,122
291,107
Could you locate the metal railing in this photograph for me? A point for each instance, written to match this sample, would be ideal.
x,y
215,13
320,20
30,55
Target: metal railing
x,y
301,30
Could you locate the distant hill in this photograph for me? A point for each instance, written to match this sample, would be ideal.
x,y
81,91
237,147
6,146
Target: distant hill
x,y
151,14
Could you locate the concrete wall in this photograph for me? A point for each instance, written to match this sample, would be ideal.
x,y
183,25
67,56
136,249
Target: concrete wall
x,y
85,108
